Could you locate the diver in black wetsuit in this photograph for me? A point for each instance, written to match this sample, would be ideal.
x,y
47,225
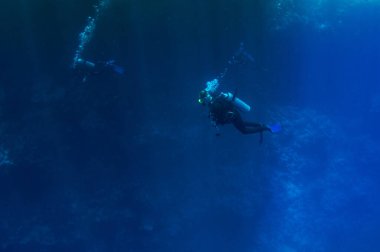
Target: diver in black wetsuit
x,y
224,109
85,68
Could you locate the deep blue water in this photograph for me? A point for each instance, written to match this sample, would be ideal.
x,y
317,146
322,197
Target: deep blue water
x,y
132,163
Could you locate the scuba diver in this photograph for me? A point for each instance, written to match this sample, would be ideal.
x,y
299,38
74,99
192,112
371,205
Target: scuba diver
x,y
85,68
224,108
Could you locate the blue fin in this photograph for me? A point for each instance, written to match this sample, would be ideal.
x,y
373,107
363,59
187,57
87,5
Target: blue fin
x,y
274,128
118,69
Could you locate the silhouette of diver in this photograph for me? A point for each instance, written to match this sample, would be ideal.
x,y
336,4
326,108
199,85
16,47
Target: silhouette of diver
x,y
224,108
85,68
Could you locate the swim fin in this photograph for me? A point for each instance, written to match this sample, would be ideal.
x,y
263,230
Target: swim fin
x,y
117,69
275,128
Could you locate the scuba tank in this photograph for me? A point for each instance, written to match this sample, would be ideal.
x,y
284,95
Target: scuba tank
x,y
241,105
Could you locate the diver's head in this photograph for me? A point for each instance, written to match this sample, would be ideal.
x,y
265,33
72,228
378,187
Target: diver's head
x,y
204,97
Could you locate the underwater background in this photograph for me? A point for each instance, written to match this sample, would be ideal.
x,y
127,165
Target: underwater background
x,y
131,162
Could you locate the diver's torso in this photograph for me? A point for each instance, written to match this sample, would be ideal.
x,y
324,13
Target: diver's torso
x,y
222,111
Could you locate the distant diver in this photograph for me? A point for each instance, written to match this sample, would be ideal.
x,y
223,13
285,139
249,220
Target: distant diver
x,y
85,68
224,108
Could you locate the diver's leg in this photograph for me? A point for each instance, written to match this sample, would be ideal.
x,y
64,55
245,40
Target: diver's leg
x,y
253,128
239,124
249,127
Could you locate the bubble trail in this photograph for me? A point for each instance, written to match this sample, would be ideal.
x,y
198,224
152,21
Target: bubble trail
x,y
240,57
86,35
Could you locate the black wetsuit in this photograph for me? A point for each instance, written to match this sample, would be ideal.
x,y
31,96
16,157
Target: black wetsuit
x,y
91,68
223,112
